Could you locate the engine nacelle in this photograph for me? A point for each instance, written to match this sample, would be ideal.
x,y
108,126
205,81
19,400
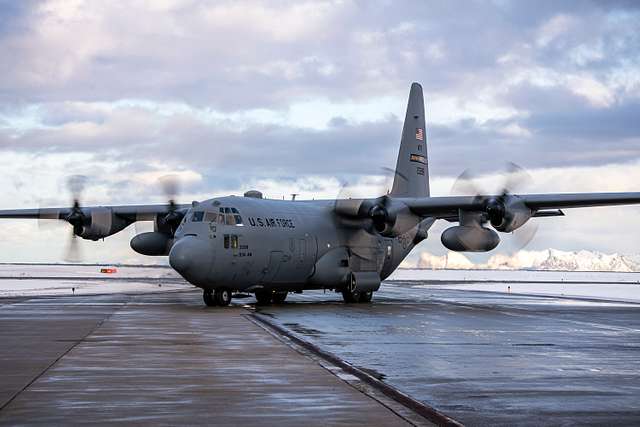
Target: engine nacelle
x,y
395,220
102,223
467,238
509,215
152,243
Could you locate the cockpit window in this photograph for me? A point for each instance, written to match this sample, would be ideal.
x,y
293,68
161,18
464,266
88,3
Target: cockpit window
x,y
197,216
229,216
236,216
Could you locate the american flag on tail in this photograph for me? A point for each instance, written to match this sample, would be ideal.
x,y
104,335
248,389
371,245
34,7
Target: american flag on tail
x,y
420,134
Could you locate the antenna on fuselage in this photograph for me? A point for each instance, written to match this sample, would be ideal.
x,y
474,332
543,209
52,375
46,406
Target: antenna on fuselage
x,y
293,196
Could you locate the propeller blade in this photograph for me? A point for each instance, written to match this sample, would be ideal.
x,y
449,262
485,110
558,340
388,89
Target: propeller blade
x,y
464,185
523,236
515,178
170,186
76,185
73,252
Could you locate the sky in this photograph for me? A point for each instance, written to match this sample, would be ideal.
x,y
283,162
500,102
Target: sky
x,y
305,96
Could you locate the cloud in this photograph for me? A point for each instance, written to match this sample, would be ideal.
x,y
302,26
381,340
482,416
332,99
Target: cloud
x,y
297,97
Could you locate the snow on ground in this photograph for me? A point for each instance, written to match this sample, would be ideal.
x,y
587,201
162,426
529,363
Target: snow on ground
x,y
39,279
60,279
606,285
515,275
77,270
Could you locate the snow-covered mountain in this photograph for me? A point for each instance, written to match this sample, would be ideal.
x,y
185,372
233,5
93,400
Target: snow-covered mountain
x,y
550,259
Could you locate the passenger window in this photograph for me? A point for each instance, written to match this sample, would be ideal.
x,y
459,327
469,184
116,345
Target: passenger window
x,y
226,241
197,216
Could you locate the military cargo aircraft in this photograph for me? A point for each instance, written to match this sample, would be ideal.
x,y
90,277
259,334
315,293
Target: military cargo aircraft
x,y
270,248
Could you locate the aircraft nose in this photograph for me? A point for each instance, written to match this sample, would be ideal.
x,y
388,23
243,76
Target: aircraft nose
x,y
188,257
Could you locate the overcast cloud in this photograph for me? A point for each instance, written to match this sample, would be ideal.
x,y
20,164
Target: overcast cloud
x,y
301,96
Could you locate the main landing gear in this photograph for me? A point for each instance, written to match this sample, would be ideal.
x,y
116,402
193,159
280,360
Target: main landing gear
x,y
356,296
266,297
221,297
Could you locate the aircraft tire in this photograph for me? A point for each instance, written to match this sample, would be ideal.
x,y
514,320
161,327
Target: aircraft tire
x,y
279,297
209,300
350,296
222,296
366,296
264,297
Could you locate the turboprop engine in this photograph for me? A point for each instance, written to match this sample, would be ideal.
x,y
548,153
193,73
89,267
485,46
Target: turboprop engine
x,y
506,213
386,216
100,224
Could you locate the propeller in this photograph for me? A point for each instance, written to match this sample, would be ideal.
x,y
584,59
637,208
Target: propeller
x,y
75,185
496,208
366,217
170,187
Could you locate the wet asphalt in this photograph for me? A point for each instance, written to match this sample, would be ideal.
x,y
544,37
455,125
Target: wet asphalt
x,y
162,359
486,358
483,358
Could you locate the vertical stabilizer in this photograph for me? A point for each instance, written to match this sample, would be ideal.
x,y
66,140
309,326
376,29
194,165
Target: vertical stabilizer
x,y
412,172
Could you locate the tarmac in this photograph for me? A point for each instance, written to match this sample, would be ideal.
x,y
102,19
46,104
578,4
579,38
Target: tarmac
x,y
163,359
418,354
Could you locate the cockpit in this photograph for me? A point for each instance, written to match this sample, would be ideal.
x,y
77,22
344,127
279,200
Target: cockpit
x,y
224,216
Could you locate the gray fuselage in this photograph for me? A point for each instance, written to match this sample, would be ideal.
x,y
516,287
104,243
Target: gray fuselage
x,y
246,243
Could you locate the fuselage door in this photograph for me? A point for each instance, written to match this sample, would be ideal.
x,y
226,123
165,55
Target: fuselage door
x,y
307,254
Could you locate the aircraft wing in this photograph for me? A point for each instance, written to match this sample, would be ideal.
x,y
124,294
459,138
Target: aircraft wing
x,y
541,204
133,212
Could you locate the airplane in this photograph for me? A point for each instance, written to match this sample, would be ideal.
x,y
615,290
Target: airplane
x,y
270,248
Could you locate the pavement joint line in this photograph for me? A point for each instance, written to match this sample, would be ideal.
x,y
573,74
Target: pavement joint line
x,y
67,351
338,372
428,412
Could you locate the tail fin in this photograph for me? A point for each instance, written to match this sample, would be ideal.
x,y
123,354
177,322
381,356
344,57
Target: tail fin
x,y
412,172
